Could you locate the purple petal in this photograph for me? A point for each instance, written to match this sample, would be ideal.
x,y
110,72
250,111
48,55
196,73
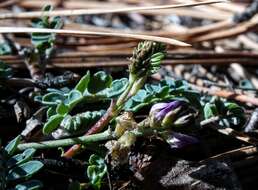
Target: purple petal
x,y
179,140
158,106
170,106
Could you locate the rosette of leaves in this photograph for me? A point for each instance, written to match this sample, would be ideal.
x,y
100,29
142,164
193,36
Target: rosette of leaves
x,y
166,90
5,71
90,89
96,170
44,42
230,113
16,168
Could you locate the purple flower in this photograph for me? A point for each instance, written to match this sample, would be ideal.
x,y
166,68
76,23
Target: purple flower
x,y
160,110
179,140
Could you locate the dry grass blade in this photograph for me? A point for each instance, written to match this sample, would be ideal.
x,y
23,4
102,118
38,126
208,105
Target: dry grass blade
x,y
83,33
35,14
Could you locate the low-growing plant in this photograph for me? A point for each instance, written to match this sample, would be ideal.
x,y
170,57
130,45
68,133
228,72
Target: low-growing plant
x,y
17,169
90,89
5,71
96,170
230,113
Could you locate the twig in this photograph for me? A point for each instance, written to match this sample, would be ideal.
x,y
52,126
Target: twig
x,y
229,131
237,30
236,134
227,94
25,82
227,86
234,154
248,42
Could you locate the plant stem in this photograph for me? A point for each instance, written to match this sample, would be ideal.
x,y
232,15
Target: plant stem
x,y
112,112
103,122
124,96
106,135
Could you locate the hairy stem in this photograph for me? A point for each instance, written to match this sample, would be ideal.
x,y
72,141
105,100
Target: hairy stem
x,y
124,96
103,122
106,135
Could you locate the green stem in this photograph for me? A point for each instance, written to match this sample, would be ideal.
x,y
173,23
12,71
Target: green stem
x,y
137,86
106,135
124,96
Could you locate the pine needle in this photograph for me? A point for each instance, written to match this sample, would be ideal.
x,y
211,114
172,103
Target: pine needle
x,y
36,14
170,41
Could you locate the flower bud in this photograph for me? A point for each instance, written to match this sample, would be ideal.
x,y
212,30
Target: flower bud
x,y
179,140
164,114
183,120
146,58
171,117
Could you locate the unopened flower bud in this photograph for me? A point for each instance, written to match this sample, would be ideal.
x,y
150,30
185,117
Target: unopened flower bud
x,y
170,117
146,58
184,120
163,114
179,140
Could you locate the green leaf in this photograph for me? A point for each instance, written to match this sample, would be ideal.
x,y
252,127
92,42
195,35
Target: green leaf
x,y
246,84
117,87
56,23
235,109
140,96
62,109
83,83
81,121
51,111
24,171
151,88
21,158
44,42
47,8
53,98
98,82
74,95
5,71
210,110
11,147
163,92
157,57
52,124
73,98
5,49
29,185
96,170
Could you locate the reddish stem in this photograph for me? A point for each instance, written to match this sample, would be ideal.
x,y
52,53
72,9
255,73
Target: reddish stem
x,y
99,126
